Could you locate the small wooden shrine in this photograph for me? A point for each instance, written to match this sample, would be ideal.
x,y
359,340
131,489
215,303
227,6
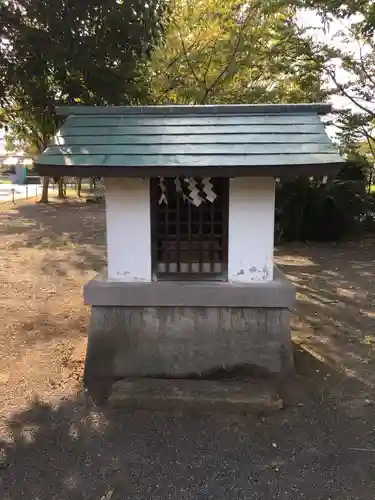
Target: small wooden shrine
x,y
191,286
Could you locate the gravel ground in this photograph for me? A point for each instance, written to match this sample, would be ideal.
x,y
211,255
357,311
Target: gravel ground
x,y
54,446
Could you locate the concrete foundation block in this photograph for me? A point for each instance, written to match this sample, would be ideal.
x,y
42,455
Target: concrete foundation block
x,y
183,342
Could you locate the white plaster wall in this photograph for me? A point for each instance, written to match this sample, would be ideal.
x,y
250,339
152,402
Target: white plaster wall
x,y
251,229
128,229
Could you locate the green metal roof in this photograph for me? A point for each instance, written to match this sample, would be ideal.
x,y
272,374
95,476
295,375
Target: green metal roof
x,y
158,140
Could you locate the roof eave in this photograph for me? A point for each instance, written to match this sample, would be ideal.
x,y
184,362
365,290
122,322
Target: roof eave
x,y
309,170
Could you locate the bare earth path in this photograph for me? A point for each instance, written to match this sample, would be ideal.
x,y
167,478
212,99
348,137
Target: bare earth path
x,y
322,446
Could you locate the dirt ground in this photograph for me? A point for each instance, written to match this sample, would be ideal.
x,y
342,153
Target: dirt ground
x,y
320,447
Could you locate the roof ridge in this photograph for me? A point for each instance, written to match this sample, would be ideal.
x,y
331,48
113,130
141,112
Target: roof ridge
x,y
220,109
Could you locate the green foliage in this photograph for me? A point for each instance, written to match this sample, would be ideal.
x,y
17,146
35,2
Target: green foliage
x,y
357,168
233,52
349,65
307,210
68,51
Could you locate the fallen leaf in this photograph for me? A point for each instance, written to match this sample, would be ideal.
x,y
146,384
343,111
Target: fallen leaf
x,y
108,495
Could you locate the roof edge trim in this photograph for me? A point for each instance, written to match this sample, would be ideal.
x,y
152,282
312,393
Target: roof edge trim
x,y
309,170
232,109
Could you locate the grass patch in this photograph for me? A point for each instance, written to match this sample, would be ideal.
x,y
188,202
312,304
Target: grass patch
x,y
5,181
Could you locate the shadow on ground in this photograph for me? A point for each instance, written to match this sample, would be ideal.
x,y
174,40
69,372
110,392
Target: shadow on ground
x,y
335,311
319,447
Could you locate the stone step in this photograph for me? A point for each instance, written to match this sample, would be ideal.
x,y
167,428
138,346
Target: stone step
x,y
203,395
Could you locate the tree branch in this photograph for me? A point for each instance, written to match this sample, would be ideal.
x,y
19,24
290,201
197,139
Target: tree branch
x,y
186,54
347,95
365,72
229,63
178,56
210,61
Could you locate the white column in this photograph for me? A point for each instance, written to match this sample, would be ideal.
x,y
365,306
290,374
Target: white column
x,y
251,229
128,229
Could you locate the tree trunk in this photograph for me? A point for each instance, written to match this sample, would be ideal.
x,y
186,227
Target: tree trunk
x,y
60,185
44,197
79,186
370,179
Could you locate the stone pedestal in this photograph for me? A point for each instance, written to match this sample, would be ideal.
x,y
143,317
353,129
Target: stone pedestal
x,y
181,330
